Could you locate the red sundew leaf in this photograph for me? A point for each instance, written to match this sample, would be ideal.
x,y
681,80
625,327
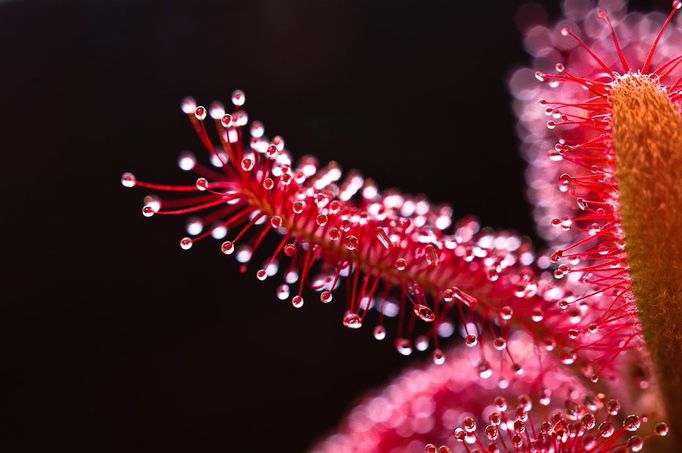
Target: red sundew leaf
x,y
400,255
441,409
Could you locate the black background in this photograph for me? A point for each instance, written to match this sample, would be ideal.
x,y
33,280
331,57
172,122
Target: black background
x,y
111,337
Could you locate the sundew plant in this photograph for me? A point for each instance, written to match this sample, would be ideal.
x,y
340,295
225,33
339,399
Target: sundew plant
x,y
570,350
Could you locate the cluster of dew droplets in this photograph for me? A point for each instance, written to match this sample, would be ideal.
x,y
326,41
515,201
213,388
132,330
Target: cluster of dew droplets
x,y
590,425
402,256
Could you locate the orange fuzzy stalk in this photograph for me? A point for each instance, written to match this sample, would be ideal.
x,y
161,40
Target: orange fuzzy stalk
x,y
647,139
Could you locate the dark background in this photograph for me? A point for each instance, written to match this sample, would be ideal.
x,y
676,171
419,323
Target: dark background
x,y
111,337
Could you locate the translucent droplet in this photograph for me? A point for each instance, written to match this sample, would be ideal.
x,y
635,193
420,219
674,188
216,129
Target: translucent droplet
x,y
635,443
661,429
431,255
506,313
128,179
471,340
448,295
588,421
186,243
297,301
321,220
188,104
400,264
499,343
290,250
226,120
268,183
326,297
403,346
430,448
261,274
271,152
148,211
200,113
438,357
186,161
352,321
484,370
491,432
334,234
298,206
276,221
613,407
631,423
351,242
238,98
379,332
424,313
227,248
202,184
606,429
247,164
421,343
283,292
568,357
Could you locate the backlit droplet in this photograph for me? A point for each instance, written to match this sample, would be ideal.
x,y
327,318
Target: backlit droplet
x,y
128,179
321,220
238,98
268,183
247,164
200,113
506,313
188,104
403,346
227,247
226,120
606,429
261,274
352,321
635,444
484,370
326,297
290,250
431,255
202,184
448,295
631,423
297,301
147,211
613,407
283,292
298,206
499,343
186,243
568,357
379,333
334,234
400,264
438,357
662,429
271,152
276,221
430,448
424,313
471,340
351,242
